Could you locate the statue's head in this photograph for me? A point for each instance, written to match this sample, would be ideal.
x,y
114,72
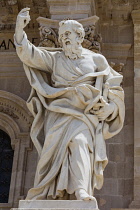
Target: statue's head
x,y
71,35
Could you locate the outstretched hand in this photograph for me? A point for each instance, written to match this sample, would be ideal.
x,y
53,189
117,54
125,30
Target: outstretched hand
x,y
23,18
103,109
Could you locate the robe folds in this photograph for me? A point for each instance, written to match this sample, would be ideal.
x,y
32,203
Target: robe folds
x,y
61,98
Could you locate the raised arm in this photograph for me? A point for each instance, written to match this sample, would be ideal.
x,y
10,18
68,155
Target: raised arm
x,y
27,52
22,21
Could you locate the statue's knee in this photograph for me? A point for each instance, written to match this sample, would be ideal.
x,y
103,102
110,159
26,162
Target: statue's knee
x,y
79,139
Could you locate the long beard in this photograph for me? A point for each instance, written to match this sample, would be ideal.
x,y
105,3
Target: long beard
x,y
72,51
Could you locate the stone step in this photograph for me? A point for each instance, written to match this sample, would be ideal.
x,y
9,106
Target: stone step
x,y
68,209
54,209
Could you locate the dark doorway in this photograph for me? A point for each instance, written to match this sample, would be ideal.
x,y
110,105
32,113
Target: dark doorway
x,y
6,162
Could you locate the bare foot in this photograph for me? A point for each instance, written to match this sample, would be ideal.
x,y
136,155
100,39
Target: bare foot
x,y
81,194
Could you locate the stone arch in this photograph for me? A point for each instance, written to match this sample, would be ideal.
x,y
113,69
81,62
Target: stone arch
x,y
15,120
15,107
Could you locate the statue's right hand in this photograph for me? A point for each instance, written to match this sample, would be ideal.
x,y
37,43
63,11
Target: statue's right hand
x,y
23,18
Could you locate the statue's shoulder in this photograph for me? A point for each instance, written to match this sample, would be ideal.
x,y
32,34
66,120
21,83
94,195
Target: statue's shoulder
x,y
50,49
87,52
52,52
93,54
98,58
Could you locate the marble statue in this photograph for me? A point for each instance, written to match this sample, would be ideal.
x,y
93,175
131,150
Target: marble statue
x,y
77,103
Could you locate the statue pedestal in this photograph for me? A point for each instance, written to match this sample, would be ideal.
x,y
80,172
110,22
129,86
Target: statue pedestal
x,y
57,205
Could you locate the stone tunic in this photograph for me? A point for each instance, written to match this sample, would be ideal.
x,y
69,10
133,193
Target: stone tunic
x,y
63,93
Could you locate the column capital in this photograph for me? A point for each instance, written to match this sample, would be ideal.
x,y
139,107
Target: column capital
x,y
136,16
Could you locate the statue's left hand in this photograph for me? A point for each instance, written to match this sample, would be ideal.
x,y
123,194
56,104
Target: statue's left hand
x,y
105,110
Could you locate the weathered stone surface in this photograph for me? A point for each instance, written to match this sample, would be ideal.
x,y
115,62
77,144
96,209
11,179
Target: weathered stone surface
x,y
124,209
54,209
57,205
136,21
77,172
73,204
69,9
115,27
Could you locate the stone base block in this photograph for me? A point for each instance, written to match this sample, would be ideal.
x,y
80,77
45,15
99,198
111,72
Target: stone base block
x,y
135,204
57,205
124,209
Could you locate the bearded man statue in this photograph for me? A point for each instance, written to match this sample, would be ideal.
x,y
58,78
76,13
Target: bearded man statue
x,y
78,103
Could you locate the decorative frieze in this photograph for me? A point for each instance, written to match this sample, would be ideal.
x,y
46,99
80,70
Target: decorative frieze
x,y
48,37
117,67
9,112
14,109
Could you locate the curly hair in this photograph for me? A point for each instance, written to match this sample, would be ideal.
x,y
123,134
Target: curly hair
x,y
76,26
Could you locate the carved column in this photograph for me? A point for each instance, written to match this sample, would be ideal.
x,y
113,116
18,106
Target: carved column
x,y
136,20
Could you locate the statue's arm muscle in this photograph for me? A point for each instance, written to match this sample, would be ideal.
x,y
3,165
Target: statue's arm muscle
x,y
100,62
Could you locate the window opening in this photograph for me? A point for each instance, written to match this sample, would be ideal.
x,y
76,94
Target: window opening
x,y
6,162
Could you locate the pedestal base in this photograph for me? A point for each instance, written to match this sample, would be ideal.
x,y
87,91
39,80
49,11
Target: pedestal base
x,y
57,205
135,204
125,209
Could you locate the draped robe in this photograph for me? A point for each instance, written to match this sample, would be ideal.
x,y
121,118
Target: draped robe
x,y
60,103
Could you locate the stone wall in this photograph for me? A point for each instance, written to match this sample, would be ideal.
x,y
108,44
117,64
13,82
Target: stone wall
x,y
116,28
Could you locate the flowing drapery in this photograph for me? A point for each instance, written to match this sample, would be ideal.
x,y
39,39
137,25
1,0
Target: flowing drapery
x,y
61,109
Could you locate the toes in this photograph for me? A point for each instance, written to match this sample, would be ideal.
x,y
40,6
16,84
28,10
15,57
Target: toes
x,y
83,195
92,198
86,199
